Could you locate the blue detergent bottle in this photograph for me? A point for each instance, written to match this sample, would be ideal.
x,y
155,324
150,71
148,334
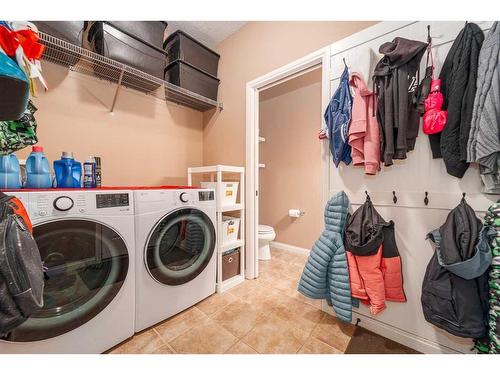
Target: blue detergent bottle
x,y
68,171
37,170
10,173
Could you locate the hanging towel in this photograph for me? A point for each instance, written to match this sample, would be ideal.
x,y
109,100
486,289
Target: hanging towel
x,y
325,274
337,118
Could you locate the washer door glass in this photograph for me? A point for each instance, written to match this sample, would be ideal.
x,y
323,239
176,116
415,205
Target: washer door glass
x,y
180,247
85,265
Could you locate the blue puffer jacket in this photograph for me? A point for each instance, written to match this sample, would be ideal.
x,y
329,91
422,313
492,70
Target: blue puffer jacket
x,y
326,274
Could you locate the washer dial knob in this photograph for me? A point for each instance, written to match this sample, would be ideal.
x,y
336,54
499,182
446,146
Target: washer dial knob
x,y
63,203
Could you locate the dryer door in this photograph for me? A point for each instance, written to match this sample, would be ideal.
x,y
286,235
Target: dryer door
x,y
180,246
85,264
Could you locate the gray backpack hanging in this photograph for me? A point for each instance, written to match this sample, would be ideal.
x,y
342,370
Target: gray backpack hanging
x,y
21,273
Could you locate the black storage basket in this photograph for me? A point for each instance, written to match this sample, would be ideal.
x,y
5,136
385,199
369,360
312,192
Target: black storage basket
x,y
107,40
150,32
181,46
69,31
193,79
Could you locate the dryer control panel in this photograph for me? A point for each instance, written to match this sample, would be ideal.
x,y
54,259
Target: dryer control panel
x,y
109,200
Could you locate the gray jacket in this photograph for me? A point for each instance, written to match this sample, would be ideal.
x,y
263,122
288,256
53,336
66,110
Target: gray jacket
x,y
483,146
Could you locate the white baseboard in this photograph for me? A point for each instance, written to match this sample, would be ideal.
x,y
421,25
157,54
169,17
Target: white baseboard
x,y
289,248
405,338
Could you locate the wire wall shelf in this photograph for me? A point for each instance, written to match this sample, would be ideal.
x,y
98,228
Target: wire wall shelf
x,y
83,61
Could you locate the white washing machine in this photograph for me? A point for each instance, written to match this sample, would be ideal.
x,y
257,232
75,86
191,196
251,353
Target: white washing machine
x,y
175,251
86,242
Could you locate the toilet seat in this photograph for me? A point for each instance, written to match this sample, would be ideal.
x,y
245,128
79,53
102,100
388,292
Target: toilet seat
x,y
264,229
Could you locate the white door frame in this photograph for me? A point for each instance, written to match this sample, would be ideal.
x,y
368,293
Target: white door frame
x,y
321,56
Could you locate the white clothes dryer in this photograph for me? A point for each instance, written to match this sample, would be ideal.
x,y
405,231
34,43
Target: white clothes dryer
x,y
175,251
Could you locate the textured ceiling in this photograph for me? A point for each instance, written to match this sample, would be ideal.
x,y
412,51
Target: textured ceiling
x,y
209,33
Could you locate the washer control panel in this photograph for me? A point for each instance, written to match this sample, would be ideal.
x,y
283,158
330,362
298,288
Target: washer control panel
x,y
206,195
112,200
62,203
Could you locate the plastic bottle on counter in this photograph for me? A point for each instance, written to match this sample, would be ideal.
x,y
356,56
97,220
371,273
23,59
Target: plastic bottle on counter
x,y
10,175
37,170
89,173
98,175
68,171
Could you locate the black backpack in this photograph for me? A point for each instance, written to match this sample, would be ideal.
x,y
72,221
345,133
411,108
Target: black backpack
x,y
21,272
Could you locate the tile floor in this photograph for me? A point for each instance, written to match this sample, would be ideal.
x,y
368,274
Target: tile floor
x,y
265,315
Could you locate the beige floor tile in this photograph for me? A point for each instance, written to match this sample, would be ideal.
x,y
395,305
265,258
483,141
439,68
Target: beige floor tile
x,y
298,259
278,265
279,254
271,275
334,332
273,335
238,317
142,343
245,288
285,284
300,297
180,323
265,265
299,314
215,302
265,299
165,349
241,348
207,338
294,271
315,346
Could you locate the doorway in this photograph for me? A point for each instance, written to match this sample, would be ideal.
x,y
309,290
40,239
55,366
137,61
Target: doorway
x,y
254,90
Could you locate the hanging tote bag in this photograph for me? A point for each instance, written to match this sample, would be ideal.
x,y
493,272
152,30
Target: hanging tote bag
x,y
425,85
16,135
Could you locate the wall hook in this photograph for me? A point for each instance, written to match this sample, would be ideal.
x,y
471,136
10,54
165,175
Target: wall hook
x,y
367,196
345,64
463,197
394,198
426,199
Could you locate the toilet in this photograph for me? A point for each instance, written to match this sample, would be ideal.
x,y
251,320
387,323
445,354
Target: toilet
x,y
266,235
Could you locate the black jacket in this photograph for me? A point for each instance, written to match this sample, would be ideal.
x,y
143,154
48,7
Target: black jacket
x,y
458,85
455,298
396,80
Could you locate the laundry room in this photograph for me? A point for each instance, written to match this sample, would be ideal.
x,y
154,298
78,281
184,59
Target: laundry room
x,y
190,179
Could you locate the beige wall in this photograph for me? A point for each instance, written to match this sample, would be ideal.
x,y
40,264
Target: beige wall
x,y
148,142
145,141
256,49
290,117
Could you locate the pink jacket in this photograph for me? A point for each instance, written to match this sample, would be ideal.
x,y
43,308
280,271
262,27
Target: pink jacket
x,y
364,133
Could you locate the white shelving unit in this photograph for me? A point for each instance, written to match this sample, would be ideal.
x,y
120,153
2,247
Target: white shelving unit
x,y
217,173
